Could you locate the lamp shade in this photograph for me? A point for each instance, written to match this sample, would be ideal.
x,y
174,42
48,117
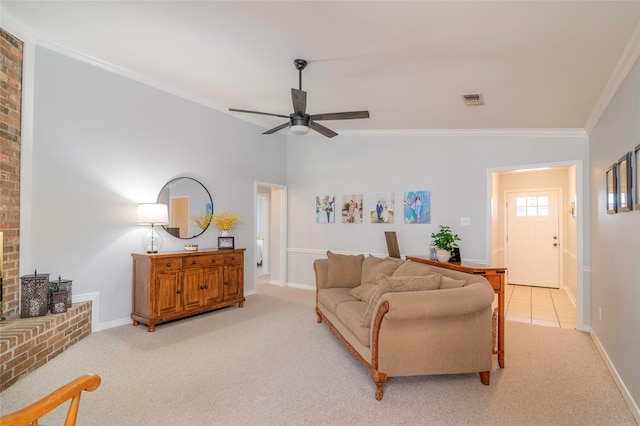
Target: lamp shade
x,y
152,214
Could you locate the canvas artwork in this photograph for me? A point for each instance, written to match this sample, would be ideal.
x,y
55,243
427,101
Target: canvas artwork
x,y
325,206
417,207
381,208
352,208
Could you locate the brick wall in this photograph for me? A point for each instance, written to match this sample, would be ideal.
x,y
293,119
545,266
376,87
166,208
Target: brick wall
x,y
10,129
28,343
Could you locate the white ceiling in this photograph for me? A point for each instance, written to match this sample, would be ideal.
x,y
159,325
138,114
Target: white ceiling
x,y
537,64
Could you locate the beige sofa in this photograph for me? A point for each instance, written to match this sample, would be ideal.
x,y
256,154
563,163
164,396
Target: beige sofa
x,y
403,318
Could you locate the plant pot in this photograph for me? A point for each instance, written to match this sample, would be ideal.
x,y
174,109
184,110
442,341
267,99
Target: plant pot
x,y
225,233
443,255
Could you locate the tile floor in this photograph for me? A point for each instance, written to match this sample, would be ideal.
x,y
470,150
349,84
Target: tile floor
x,y
538,305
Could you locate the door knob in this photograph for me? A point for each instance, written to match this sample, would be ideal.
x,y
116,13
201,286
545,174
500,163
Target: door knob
x,y
555,244
555,238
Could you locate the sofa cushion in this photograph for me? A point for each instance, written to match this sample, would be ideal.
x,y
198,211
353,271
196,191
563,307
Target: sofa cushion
x,y
344,270
448,282
332,297
399,284
371,268
350,315
409,268
364,292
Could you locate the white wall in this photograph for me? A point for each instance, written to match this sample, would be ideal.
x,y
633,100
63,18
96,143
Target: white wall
x,y
615,248
453,167
103,143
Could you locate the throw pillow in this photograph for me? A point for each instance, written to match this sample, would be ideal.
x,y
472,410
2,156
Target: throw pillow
x,y
343,270
385,267
399,284
364,292
368,264
409,269
448,282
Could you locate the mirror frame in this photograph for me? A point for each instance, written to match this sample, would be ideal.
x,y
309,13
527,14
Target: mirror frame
x,y
166,187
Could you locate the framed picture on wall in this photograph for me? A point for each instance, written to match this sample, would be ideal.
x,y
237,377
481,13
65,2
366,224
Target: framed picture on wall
x,y
624,178
611,187
636,172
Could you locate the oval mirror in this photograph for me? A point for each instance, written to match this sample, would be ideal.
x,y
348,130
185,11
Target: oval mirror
x,y
190,207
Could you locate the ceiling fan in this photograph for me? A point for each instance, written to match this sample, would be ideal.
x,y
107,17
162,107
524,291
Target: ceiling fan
x,y
299,121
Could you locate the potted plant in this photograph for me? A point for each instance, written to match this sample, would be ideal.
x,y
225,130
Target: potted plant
x,y
444,240
225,221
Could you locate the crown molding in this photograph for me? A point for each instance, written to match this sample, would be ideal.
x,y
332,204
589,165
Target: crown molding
x,y
621,71
546,133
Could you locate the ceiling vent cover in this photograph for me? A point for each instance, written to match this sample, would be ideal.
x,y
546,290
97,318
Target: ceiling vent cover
x,y
473,99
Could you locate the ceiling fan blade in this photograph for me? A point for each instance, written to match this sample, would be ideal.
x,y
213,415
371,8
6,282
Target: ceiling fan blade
x,y
299,98
275,129
341,115
322,130
258,112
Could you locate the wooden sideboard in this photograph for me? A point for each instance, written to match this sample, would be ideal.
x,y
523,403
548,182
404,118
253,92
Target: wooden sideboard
x,y
495,276
172,285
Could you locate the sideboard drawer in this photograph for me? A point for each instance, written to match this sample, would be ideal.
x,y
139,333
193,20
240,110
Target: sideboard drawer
x,y
202,261
232,259
168,264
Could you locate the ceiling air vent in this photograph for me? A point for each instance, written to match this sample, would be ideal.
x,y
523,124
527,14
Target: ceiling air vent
x,y
473,99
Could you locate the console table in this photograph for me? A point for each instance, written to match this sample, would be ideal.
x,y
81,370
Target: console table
x,y
495,276
172,285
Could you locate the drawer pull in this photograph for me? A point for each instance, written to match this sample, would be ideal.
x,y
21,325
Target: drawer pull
x,y
193,262
178,292
206,287
213,260
226,283
169,265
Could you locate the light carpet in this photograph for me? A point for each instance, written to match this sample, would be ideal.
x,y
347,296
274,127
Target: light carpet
x,y
271,363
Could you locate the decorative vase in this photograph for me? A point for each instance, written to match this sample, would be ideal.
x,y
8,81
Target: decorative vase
x,y
225,233
443,255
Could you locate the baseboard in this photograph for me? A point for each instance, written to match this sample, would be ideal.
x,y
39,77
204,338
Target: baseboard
x,y
633,406
302,286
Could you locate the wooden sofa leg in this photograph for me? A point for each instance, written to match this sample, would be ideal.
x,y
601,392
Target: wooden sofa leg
x,y
484,377
379,379
319,315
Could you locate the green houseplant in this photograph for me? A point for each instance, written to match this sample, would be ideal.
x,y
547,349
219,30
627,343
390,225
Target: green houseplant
x,y
444,240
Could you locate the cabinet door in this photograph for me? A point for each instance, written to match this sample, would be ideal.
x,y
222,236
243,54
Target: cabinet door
x,y
232,279
192,286
167,293
213,283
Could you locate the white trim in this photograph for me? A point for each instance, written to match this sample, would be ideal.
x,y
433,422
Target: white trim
x,y
544,133
633,407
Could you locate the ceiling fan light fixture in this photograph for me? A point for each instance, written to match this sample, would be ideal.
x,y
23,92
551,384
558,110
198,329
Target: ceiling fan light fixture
x,y
299,129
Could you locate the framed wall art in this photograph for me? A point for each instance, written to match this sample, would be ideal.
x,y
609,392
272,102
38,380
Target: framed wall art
x,y
381,208
352,208
417,207
636,173
325,206
624,179
611,188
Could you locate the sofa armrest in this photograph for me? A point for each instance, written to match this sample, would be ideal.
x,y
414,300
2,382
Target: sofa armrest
x,y
418,305
321,269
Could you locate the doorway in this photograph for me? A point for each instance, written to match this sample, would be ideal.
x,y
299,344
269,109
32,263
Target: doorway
x,y
270,225
534,180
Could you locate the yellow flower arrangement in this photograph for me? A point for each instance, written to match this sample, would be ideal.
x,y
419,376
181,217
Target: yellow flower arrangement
x,y
225,221
202,221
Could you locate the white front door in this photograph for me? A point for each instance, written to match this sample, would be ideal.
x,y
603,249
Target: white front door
x,y
533,238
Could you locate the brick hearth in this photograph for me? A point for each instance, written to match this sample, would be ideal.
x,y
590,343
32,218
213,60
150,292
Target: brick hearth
x,y
28,343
